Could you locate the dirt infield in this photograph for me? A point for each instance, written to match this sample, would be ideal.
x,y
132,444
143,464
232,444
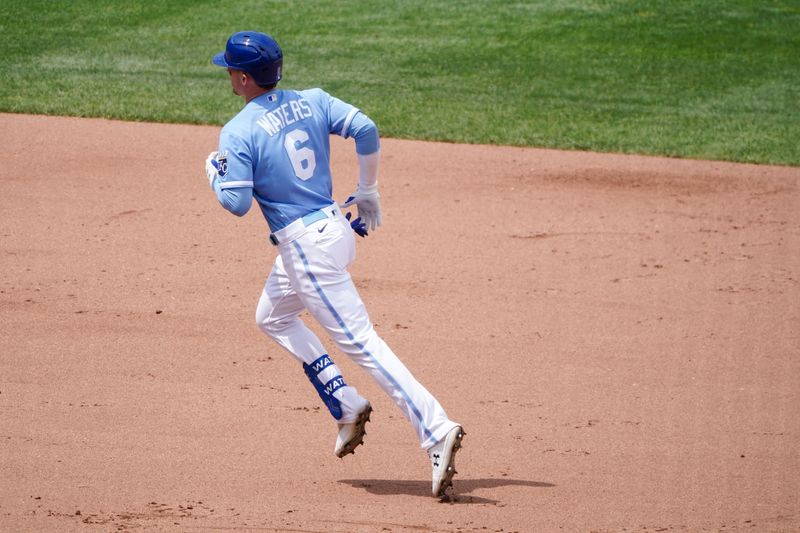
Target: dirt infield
x,y
619,336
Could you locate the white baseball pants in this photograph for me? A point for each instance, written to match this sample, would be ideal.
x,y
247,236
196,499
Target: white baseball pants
x,y
310,273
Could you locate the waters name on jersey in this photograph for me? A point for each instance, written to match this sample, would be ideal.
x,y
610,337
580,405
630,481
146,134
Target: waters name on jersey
x,y
285,115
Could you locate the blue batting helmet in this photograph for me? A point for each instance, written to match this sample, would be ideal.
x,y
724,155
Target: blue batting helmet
x,y
254,52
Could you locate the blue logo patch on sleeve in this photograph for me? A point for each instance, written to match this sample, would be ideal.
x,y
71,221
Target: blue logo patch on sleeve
x,y
222,164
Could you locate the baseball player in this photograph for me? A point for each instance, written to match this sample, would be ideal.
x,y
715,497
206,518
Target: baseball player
x,y
276,150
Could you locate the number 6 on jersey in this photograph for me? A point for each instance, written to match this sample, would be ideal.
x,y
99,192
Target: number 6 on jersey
x,y
302,157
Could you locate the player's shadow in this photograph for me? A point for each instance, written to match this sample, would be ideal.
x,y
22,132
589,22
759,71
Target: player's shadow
x,y
460,492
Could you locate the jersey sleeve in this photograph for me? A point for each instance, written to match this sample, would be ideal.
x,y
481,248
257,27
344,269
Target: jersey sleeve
x,y
234,185
348,121
236,163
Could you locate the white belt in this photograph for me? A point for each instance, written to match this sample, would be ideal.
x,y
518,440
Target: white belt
x,y
298,227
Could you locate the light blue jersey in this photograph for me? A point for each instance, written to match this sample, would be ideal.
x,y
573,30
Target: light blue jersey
x,y
277,150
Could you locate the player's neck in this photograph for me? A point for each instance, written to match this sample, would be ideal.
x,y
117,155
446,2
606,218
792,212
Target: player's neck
x,y
249,97
251,93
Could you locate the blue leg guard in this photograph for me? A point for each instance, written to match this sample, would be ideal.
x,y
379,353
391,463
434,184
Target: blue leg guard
x,y
326,390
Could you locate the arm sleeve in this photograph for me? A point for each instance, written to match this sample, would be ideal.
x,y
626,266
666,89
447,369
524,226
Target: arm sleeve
x,y
365,133
368,169
234,185
237,200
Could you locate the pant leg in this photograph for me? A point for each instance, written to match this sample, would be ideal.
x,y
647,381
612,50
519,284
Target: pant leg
x,y
278,315
317,264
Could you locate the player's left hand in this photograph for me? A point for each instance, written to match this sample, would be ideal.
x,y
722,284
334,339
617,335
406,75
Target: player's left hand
x,y
212,168
369,205
358,226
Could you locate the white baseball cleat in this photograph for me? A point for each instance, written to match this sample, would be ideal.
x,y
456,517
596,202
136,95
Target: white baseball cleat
x,y
351,435
442,456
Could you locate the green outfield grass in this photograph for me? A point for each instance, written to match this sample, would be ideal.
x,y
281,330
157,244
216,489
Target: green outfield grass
x,y
716,79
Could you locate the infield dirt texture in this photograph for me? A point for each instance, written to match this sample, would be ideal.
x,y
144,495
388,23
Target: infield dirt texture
x,y
619,335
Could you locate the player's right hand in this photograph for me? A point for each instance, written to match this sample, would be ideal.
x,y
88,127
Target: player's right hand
x,y
369,205
212,169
